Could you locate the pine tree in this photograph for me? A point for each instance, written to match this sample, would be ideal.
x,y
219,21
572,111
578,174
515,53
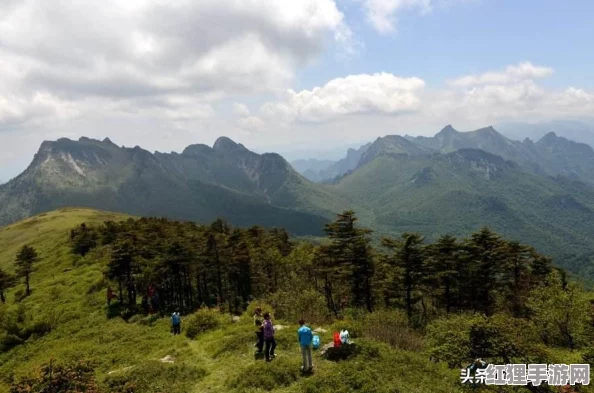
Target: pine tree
x,y
25,260
443,266
121,267
347,262
487,261
407,268
515,276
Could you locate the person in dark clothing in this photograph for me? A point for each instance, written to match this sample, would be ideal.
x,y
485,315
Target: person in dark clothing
x,y
110,296
269,338
258,322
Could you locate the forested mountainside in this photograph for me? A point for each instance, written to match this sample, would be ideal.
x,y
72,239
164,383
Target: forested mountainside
x,y
433,185
416,310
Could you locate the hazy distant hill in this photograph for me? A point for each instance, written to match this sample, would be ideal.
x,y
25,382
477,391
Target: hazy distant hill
x,y
550,155
311,168
323,173
579,131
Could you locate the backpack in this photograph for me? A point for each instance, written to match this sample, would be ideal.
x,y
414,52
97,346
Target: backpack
x,y
175,319
344,336
337,341
316,341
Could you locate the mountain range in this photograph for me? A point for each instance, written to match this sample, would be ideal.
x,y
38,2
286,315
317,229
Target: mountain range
x,y
549,155
576,130
540,193
202,183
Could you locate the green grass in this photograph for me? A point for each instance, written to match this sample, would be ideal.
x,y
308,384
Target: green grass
x,y
69,292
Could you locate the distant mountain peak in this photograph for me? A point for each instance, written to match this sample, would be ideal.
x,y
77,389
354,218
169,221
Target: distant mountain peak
x,y
224,143
198,148
108,141
550,135
447,130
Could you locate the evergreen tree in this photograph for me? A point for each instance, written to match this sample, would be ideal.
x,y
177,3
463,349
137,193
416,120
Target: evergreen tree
x,y
486,262
26,258
83,239
444,271
347,263
121,267
407,264
515,276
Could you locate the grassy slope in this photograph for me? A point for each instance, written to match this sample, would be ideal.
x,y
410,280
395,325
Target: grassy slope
x,y
71,292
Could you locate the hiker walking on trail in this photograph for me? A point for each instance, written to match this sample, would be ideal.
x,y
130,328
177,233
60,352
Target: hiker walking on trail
x,y
269,338
305,336
258,322
176,322
110,296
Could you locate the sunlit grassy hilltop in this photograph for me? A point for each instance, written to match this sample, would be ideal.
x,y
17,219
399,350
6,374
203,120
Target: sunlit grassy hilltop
x,y
68,293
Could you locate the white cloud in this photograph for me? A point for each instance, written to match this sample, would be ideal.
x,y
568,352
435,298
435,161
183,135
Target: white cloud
x,y
380,93
510,94
382,13
140,50
511,74
240,109
362,107
251,123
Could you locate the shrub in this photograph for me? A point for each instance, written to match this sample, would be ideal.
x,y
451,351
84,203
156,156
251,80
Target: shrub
x,y
499,339
70,378
251,308
391,327
201,321
355,327
154,376
294,305
588,356
449,339
237,342
266,376
9,341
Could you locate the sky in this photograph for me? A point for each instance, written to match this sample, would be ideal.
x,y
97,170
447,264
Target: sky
x,y
300,77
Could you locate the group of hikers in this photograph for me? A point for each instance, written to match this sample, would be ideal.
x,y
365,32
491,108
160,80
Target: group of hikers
x,y
265,329
265,332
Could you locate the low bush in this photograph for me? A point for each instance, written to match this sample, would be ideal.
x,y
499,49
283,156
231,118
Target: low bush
x,y
154,376
201,321
391,327
76,377
294,305
9,341
279,373
236,342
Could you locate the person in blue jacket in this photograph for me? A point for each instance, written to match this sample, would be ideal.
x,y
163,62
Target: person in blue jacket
x,y
176,322
305,341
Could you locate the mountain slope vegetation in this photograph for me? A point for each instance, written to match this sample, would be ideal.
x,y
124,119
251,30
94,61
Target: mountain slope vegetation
x,y
462,191
446,184
66,324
